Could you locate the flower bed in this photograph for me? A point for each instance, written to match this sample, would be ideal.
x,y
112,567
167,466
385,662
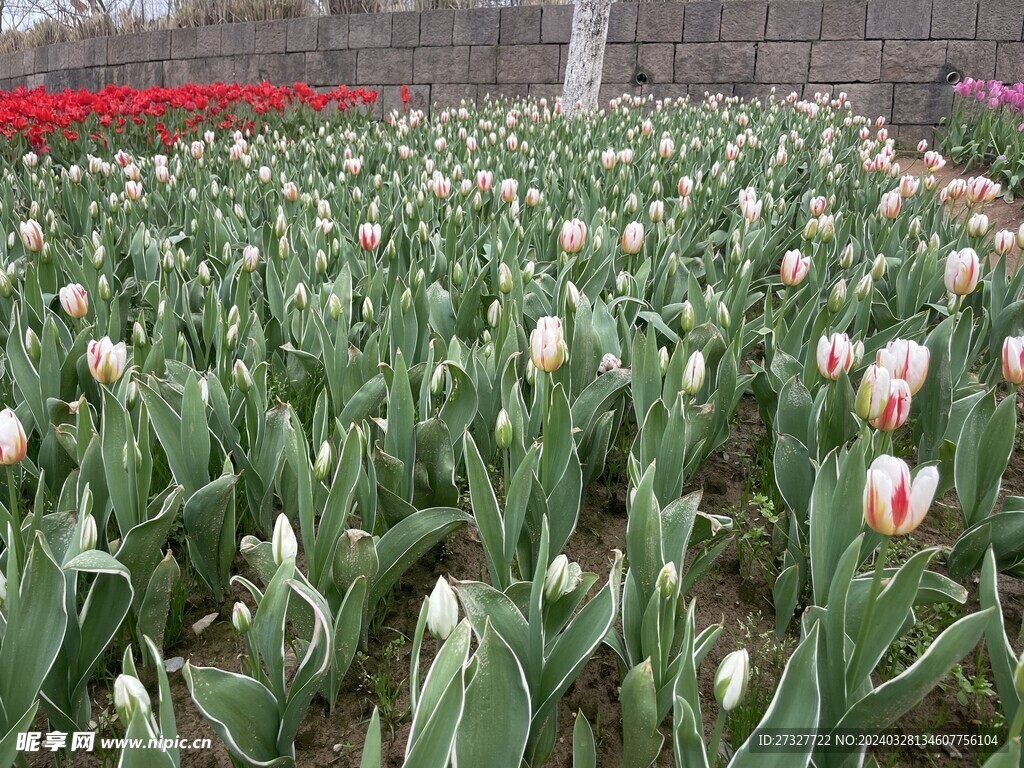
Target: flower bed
x,y
322,411
987,129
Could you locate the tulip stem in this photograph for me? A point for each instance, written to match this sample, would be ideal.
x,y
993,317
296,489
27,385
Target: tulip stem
x,y
16,544
717,736
869,610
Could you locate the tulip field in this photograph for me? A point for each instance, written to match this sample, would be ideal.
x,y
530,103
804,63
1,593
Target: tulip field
x,y
680,434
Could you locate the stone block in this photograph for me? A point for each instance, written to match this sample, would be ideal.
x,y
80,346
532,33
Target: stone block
x,y
794,20
5,66
40,57
238,39
914,61
899,19
436,27
441,65
619,63
302,34
921,104
369,30
57,80
405,29
610,91
88,53
483,61
696,91
271,36
138,74
391,98
973,58
622,23
208,41
527,64
476,26
556,24
91,79
702,22
384,66
657,60
1000,19
240,69
779,62
1010,62
331,68
665,91
845,61
954,19
744,20
142,46
183,43
660,22
844,19
332,34
509,91
520,25
282,68
764,90
869,99
549,91
715,62
452,95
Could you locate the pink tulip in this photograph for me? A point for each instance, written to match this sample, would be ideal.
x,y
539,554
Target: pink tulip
x,y
369,235
106,360
572,236
13,443
963,269
834,355
893,504
1013,359
795,267
817,206
633,238
897,407
907,360
890,204
74,300
509,190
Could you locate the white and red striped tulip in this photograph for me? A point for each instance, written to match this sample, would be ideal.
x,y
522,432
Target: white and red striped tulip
x,y
893,503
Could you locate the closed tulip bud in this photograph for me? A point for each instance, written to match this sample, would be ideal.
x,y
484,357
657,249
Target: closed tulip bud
x,y
442,610
834,355
241,618
963,270
504,278
205,276
633,238
668,580
1013,359
243,379
103,288
139,338
32,345
367,310
283,544
250,258
131,699
547,345
557,579
731,679
503,430
864,286
31,235
457,274
99,256
893,503
6,286
687,317
74,300
334,307
878,267
13,442
87,539
873,394
724,319
663,359
494,314
1004,241
810,229
573,236
846,256
324,462
406,300
977,225
837,297
572,297
693,374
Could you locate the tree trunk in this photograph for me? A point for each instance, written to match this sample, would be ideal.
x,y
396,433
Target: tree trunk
x,y
586,56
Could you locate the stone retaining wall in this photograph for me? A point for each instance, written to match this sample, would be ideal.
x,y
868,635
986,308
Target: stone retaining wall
x,y
891,56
